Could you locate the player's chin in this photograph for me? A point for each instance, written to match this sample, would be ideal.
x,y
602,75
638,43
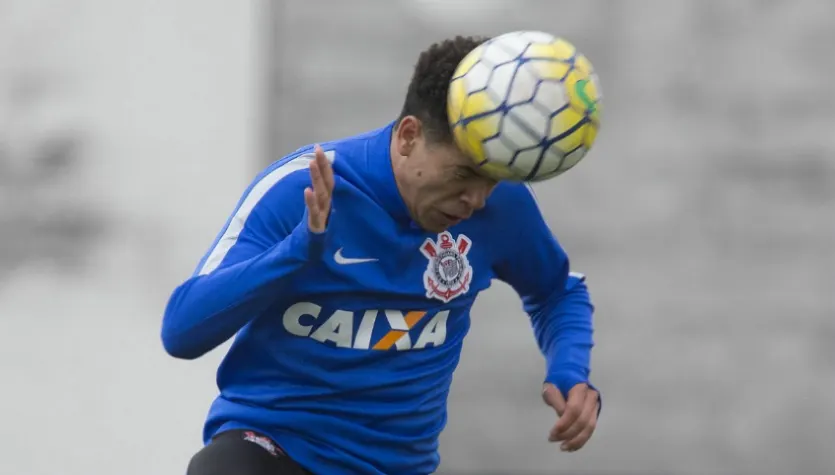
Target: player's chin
x,y
433,227
436,224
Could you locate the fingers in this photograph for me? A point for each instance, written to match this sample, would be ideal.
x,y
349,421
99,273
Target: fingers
x,y
320,189
578,419
589,418
324,167
573,409
576,435
314,221
317,197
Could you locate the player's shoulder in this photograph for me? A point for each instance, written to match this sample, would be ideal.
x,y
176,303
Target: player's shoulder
x,y
290,173
350,150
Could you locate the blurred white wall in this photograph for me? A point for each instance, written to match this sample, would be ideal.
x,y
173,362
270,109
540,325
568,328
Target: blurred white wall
x,y
164,96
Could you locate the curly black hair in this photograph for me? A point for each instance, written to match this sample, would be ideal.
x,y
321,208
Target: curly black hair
x,y
426,98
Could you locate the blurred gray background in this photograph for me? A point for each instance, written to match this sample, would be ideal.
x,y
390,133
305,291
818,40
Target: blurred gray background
x,y
704,219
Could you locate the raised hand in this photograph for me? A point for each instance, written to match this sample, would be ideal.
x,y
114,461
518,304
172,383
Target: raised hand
x,y
317,197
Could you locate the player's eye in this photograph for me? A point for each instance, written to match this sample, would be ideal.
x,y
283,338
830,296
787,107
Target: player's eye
x,y
463,173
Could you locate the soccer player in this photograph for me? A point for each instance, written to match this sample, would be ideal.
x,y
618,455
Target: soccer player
x,y
346,274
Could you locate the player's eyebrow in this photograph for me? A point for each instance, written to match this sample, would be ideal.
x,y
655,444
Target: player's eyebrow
x,y
475,171
465,172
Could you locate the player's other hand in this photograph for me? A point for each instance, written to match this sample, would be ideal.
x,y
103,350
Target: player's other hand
x,y
577,417
317,197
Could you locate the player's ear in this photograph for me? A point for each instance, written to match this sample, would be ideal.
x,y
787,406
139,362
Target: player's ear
x,y
408,133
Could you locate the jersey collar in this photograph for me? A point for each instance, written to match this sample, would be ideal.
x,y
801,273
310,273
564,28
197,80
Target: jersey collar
x,y
381,175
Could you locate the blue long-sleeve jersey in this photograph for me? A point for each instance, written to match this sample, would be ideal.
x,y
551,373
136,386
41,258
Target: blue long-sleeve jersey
x,y
346,342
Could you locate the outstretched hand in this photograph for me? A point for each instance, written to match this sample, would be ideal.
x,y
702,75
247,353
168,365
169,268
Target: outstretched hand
x,y
317,197
577,417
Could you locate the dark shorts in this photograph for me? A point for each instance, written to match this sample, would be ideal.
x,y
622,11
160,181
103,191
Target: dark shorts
x,y
243,452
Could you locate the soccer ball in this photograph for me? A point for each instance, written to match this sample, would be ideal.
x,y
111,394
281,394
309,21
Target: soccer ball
x,y
525,106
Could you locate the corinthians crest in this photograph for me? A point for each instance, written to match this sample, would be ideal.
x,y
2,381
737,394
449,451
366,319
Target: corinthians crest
x,y
448,273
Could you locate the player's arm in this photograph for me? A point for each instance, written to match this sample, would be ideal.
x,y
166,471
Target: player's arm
x,y
278,227
557,301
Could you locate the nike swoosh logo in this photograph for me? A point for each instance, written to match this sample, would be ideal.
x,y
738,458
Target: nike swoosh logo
x,y
342,260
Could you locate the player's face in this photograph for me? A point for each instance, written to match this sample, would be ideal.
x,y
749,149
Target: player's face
x,y
439,183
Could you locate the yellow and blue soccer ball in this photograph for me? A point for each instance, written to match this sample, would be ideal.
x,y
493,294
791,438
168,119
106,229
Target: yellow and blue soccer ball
x,y
525,106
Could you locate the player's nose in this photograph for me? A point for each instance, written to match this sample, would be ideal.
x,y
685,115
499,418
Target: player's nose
x,y
475,196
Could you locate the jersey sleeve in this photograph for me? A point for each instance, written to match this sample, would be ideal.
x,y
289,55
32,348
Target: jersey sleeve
x,y
557,300
262,245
